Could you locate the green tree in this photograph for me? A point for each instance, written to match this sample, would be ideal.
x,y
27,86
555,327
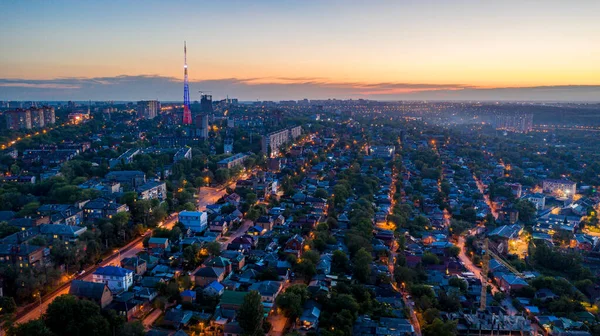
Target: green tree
x,y
135,328
439,328
69,316
362,265
213,248
251,315
33,327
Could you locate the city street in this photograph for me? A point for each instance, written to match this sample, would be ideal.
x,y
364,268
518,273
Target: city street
x,y
127,251
469,264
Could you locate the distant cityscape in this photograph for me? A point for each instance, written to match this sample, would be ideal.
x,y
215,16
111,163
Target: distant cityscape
x,y
216,215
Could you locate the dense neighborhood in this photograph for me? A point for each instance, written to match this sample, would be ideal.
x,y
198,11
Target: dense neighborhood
x,y
296,218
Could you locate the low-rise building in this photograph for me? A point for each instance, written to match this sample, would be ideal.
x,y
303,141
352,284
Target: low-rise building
x,y
93,291
22,255
116,278
152,190
196,221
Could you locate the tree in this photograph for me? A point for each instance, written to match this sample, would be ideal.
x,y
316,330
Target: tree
x,y
135,328
454,251
321,193
526,210
251,198
362,265
7,305
213,248
69,316
33,327
251,315
439,328
339,262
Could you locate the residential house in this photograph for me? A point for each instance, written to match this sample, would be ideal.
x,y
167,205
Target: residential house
x,y
156,243
188,296
102,208
118,279
22,255
62,232
196,221
130,178
295,245
135,264
206,275
152,190
236,259
266,222
268,290
214,289
97,292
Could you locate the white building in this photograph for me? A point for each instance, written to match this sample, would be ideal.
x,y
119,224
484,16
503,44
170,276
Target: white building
x,y
116,278
538,199
563,188
197,221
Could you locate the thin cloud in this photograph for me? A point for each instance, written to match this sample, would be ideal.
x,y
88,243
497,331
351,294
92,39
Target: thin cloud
x,y
131,88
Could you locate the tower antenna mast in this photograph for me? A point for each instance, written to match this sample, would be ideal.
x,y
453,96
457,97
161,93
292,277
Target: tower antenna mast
x,y
187,114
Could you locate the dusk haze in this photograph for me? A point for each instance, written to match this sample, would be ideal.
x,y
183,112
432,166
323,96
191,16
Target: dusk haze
x,y
300,168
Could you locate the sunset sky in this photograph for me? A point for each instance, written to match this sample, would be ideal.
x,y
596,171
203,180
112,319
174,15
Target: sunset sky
x,y
295,49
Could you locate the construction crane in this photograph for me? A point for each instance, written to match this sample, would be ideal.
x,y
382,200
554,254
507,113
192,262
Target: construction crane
x,y
484,275
485,265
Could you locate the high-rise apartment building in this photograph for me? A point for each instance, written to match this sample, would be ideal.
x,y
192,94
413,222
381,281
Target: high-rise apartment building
x,y
18,119
515,122
148,109
37,117
201,121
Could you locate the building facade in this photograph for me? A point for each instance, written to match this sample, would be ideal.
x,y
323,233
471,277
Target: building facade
x,y
148,109
196,221
116,278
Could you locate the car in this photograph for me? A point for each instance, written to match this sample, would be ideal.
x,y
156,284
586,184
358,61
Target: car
x,y
99,261
81,272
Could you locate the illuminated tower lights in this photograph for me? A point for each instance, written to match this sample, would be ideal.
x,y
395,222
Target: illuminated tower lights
x,y
187,114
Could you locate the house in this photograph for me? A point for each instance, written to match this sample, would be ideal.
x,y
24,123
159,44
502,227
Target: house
x,y
509,282
219,262
97,292
152,190
118,279
236,259
188,296
22,255
268,290
294,245
206,275
131,178
156,243
196,221
265,222
214,289
233,198
62,232
219,225
256,230
232,300
101,208
135,264
233,329
309,320
127,306
177,318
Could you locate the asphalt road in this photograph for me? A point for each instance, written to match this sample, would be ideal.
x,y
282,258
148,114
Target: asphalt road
x,y
127,251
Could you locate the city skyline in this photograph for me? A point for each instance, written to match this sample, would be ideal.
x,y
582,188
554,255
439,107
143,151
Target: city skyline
x,y
272,51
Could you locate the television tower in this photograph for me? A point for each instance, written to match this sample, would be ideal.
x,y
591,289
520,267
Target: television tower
x,y
187,114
